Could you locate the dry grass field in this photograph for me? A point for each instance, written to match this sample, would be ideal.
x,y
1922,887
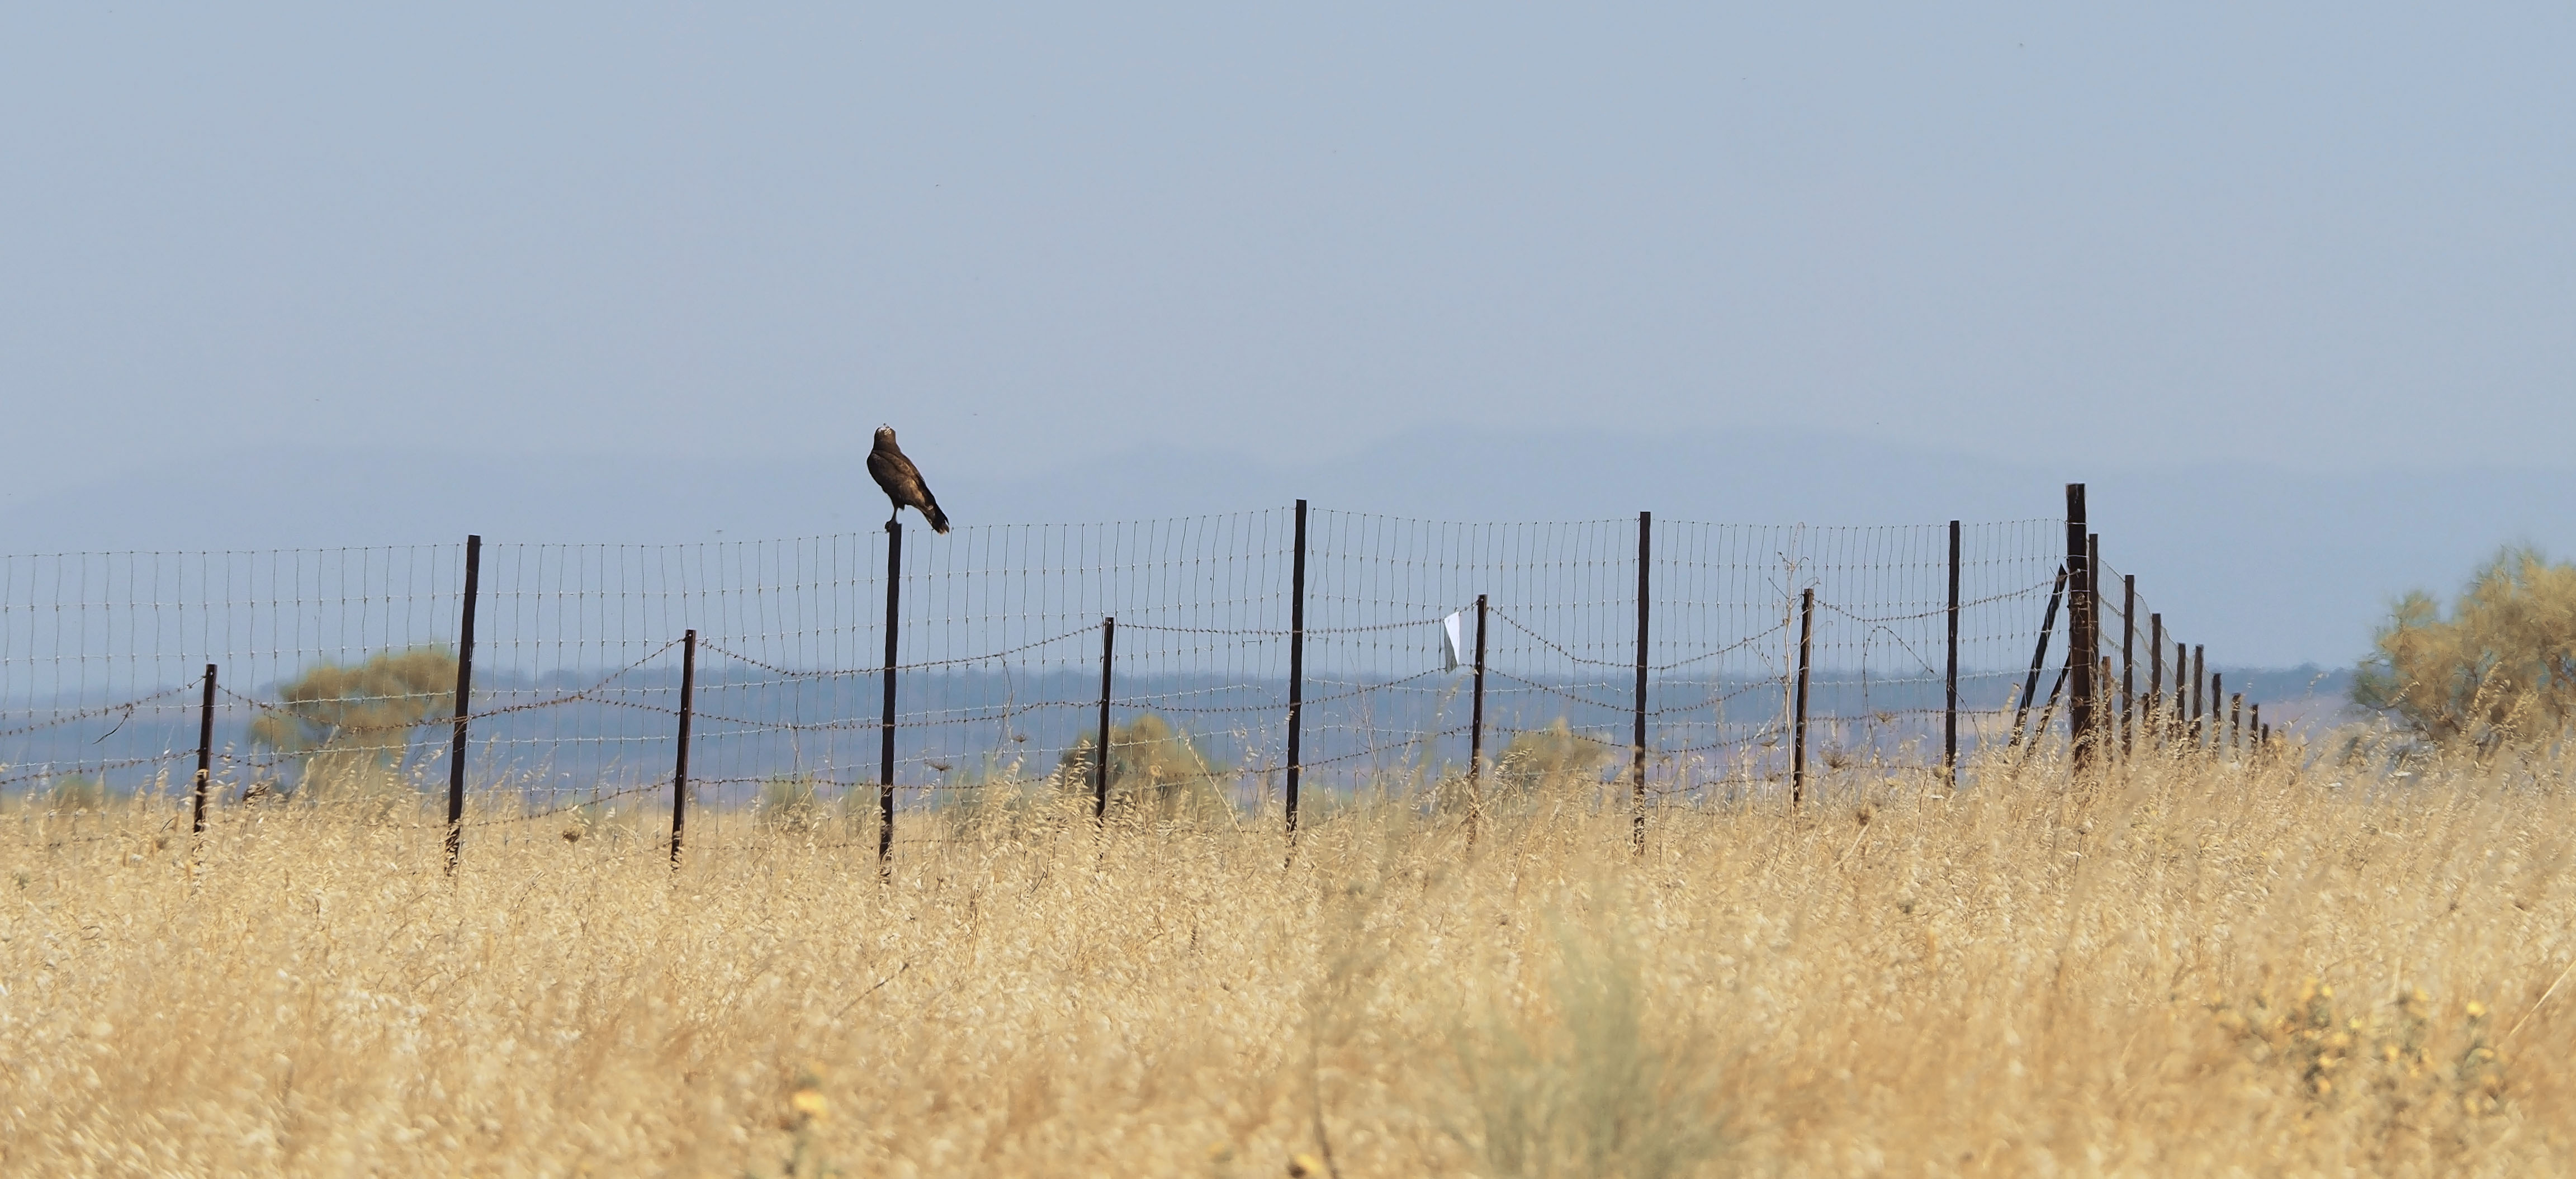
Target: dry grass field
x,y
2177,970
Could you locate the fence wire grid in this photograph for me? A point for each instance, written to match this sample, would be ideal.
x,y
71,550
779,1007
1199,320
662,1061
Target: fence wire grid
x,y
336,666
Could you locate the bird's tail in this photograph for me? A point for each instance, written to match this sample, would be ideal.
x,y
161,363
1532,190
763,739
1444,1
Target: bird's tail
x,y
938,519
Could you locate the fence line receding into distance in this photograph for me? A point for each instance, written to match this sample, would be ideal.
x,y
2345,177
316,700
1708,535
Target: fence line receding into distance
x,y
1413,642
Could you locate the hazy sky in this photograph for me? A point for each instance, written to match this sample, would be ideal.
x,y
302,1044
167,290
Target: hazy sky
x,y
2313,235
2327,239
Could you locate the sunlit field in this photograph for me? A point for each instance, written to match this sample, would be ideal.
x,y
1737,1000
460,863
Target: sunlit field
x,y
2177,969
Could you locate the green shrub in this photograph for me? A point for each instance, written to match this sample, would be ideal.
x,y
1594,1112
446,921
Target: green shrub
x,y
1153,769
348,727
789,803
1583,1082
76,792
2501,669
1550,759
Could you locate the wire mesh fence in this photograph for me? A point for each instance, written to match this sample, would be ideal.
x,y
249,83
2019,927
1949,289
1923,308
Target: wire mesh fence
x,y
337,666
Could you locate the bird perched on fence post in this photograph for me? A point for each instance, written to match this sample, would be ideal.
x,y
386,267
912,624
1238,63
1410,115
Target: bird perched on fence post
x,y
902,482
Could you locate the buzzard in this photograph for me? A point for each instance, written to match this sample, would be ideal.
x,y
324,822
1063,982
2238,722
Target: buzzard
x,y
902,482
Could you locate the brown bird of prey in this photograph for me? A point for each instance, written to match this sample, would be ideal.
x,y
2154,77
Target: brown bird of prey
x,y
902,482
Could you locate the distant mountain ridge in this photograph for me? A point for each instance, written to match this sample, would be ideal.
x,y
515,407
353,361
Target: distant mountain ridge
x,y
2265,567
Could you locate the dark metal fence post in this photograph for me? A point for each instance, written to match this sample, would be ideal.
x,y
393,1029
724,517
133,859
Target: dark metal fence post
x,y
2093,625
2217,701
885,726
1950,677
1296,667
2038,659
2081,640
2155,680
2102,677
205,750
1798,747
1637,739
1100,751
1476,734
2254,727
2235,721
464,702
2182,692
2128,666
680,760
2199,693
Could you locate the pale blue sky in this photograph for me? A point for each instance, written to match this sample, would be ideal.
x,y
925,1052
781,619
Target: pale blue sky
x,y
2328,239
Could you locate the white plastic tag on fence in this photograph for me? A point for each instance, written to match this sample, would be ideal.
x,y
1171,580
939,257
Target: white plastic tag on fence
x,y
1453,647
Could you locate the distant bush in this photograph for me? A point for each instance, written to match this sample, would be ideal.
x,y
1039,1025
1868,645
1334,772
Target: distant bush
x,y
1152,767
76,792
1551,758
790,803
349,726
2500,670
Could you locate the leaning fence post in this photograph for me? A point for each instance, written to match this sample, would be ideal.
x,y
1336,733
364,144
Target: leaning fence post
x,y
1798,746
205,750
2081,640
1637,740
885,727
464,702
1296,666
680,762
1100,752
2048,708
2038,660
1476,734
1950,677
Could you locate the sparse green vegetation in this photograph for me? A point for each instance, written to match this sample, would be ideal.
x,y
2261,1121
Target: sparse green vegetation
x,y
348,727
2499,670
76,793
1551,759
1155,772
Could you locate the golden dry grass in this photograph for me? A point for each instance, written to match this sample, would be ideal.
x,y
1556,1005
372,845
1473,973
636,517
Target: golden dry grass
x,y
2201,970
